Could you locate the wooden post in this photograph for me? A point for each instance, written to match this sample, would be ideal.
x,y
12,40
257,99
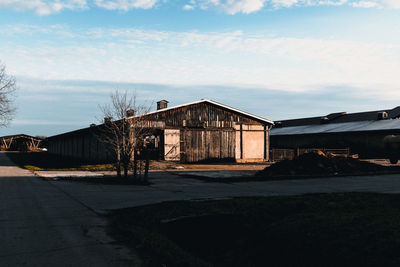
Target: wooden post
x,y
265,142
241,141
147,164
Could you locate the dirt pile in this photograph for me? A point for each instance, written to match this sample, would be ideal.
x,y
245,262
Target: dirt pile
x,y
319,164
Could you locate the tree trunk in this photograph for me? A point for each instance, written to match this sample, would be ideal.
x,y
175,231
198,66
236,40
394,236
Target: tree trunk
x,y
126,165
146,166
118,163
118,166
135,164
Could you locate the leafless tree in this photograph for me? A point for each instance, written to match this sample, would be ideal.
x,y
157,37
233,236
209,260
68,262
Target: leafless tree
x,y
7,89
124,129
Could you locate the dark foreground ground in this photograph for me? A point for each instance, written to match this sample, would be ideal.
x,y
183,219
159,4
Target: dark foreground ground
x,y
336,229
50,222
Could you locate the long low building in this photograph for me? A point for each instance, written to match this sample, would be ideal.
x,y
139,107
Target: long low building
x,y
369,134
199,131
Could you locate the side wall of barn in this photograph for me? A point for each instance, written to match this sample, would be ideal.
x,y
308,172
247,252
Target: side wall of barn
x,y
83,145
366,144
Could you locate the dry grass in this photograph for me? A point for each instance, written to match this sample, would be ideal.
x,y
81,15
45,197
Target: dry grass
x,y
338,229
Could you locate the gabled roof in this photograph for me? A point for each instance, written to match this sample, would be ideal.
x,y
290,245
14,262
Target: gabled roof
x,y
244,113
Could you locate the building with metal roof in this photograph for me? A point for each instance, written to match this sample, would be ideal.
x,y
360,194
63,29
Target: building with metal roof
x,y
365,133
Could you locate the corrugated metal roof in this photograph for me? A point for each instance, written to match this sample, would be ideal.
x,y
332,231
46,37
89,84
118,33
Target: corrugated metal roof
x,y
357,126
214,103
340,117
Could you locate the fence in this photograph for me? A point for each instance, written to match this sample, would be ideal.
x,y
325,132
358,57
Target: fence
x,y
281,154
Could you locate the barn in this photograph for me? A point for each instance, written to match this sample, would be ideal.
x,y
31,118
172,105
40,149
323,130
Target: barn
x,y
203,130
371,134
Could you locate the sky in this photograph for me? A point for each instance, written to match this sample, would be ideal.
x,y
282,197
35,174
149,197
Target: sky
x,y
279,59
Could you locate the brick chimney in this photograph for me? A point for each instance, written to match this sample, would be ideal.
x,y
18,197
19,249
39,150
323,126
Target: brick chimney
x,y
130,113
107,120
162,104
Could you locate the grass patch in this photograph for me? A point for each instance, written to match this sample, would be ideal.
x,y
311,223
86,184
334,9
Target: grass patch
x,y
338,229
43,161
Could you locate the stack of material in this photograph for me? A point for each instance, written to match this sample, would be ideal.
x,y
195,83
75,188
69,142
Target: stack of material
x,y
319,164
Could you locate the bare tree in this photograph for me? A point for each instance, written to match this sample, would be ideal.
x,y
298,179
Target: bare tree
x,y
124,129
7,89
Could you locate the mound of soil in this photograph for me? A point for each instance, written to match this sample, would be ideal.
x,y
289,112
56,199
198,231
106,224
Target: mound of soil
x,y
319,164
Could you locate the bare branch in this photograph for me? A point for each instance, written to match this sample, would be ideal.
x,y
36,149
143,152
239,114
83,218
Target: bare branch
x,y
7,90
124,127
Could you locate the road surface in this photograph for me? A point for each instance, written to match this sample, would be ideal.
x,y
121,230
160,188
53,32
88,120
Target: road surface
x,y
41,225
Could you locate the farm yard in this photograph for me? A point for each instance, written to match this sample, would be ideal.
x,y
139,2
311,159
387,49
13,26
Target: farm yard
x,y
218,209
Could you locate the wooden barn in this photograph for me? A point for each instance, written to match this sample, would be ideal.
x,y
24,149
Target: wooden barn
x,y
204,130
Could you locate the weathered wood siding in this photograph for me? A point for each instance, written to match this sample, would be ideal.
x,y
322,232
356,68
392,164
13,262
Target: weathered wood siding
x,y
82,144
199,145
190,133
202,115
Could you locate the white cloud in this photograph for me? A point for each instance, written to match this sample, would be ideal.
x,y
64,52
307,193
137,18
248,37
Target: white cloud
x,y
365,4
249,6
125,5
231,58
284,3
43,7
231,6
390,3
243,6
188,7
331,2
47,7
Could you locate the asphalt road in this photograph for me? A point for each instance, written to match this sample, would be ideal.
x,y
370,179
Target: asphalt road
x,y
169,186
42,225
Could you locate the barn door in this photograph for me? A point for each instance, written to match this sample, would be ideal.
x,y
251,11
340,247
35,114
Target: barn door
x,y
171,144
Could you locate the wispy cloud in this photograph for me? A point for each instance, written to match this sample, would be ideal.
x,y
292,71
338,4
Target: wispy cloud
x,y
250,6
125,5
43,7
230,58
70,105
47,7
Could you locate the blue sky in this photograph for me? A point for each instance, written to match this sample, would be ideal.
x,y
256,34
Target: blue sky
x,y
274,58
